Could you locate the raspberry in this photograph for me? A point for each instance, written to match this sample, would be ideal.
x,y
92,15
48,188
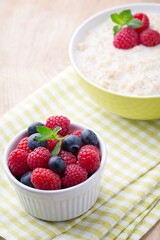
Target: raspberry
x,y
88,159
23,144
45,179
73,175
145,21
68,157
59,121
77,133
39,158
150,38
93,148
17,162
126,38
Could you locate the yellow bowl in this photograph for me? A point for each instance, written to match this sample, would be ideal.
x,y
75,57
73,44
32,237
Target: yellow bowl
x,y
133,107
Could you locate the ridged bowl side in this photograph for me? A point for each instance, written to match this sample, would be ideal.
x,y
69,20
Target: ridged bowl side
x,y
60,209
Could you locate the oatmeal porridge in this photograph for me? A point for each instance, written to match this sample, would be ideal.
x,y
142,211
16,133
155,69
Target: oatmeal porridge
x,y
134,71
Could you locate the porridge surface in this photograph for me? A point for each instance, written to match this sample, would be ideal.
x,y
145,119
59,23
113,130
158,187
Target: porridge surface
x,y
134,71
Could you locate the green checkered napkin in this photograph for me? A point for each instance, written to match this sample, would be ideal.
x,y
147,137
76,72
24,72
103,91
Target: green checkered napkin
x,y
128,205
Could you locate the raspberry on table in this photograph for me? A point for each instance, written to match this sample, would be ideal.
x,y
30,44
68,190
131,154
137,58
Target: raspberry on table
x,y
126,38
144,19
73,175
88,159
39,158
59,121
23,144
45,179
150,38
17,162
68,157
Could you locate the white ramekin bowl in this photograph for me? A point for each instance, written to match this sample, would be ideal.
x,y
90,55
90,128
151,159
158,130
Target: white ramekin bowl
x,y
57,205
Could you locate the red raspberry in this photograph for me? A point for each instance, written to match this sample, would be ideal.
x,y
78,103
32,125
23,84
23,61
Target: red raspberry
x,y
68,157
93,148
39,158
126,38
150,38
145,21
76,133
23,144
88,159
45,179
17,162
73,175
59,121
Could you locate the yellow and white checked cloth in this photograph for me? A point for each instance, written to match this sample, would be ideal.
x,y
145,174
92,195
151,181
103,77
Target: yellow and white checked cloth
x,y
128,205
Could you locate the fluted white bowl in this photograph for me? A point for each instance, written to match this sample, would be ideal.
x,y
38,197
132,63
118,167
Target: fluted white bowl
x,y
57,205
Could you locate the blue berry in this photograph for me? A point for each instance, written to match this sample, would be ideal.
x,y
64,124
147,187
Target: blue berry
x,y
88,137
32,128
57,164
72,143
26,179
33,143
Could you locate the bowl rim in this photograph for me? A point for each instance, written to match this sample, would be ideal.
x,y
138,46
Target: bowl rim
x,y
22,134
76,32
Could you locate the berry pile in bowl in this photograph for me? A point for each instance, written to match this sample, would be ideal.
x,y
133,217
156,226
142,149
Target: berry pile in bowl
x,y
116,56
56,168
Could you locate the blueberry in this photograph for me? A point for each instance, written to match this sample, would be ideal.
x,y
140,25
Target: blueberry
x,y
32,128
26,179
57,164
72,143
33,143
88,137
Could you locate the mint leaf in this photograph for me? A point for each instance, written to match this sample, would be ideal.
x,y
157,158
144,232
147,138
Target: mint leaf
x,y
57,149
117,19
55,131
134,23
124,18
48,134
125,14
43,130
116,29
128,18
43,137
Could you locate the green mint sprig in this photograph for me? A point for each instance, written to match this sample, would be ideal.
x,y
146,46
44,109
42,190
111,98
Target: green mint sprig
x,y
49,134
56,149
124,18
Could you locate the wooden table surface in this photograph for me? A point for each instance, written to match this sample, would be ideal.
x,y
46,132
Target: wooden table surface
x,y
34,40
